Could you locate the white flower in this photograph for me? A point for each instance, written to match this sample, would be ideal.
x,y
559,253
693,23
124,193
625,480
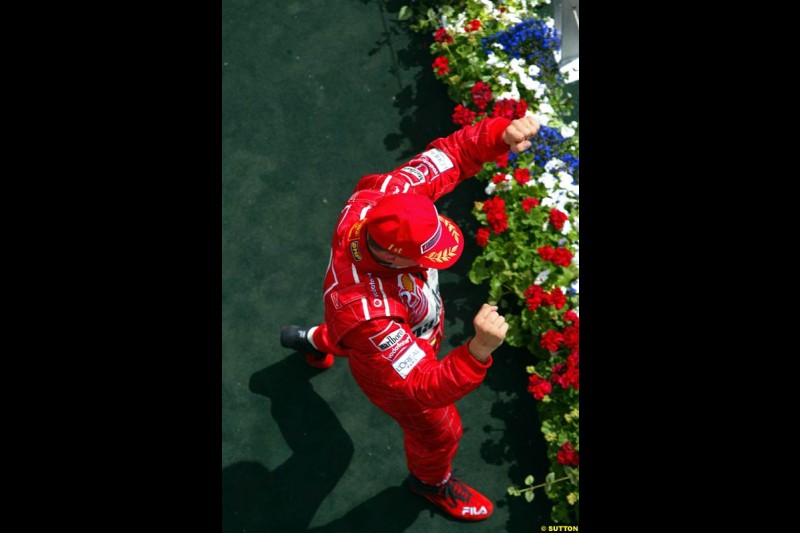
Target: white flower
x,y
460,22
562,200
545,107
513,93
575,259
533,70
503,80
556,198
529,83
495,61
577,226
548,180
550,22
487,4
567,132
575,287
565,179
553,164
490,189
541,277
510,17
567,228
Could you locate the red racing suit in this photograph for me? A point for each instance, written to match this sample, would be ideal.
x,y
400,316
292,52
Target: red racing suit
x,y
388,322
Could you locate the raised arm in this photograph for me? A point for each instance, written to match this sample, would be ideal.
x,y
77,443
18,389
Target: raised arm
x,y
389,353
448,161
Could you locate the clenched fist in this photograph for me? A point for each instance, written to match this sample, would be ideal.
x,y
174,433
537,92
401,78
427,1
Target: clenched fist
x,y
519,131
490,331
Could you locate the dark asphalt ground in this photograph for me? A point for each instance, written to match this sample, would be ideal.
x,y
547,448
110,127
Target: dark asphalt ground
x,y
314,95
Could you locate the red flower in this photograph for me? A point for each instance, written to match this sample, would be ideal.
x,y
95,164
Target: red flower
x,y
556,298
482,237
557,218
573,358
551,340
473,25
495,209
441,65
571,316
521,108
481,94
502,108
546,252
497,178
567,455
509,108
528,203
571,334
533,295
463,116
442,36
567,374
562,257
522,175
539,387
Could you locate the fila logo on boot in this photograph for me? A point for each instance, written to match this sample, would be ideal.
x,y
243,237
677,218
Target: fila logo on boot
x,y
474,510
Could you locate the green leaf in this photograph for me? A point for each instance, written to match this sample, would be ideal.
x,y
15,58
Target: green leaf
x,y
463,50
529,480
573,474
529,496
405,13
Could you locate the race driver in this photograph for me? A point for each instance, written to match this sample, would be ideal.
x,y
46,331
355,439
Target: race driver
x,y
383,310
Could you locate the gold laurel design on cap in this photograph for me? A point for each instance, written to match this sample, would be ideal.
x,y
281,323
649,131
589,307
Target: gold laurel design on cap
x,y
443,256
450,227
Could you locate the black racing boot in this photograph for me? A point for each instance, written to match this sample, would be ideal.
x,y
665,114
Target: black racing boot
x,y
296,338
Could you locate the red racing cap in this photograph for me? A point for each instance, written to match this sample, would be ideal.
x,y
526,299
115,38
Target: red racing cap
x,y
409,225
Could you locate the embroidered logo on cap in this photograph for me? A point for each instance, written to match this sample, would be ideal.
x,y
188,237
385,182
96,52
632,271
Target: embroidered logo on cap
x,y
426,246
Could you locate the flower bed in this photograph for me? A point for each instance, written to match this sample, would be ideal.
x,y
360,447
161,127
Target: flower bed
x,y
501,59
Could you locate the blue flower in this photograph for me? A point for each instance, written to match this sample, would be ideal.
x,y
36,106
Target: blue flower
x,y
531,40
512,159
548,144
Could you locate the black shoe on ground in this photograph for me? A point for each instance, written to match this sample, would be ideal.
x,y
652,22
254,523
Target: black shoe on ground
x,y
296,338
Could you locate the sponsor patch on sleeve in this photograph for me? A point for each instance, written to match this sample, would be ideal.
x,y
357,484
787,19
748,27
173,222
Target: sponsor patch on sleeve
x,y
390,336
406,362
439,159
415,176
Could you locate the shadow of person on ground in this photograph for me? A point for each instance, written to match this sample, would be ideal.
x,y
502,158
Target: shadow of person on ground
x,y
286,498
392,510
